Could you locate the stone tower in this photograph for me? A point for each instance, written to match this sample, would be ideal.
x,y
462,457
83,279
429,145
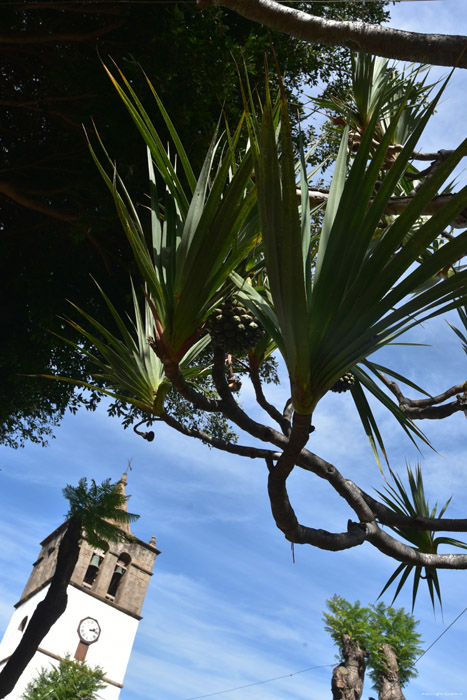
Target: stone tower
x,y
105,599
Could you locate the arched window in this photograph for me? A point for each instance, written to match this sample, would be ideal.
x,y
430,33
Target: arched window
x,y
92,570
121,566
23,623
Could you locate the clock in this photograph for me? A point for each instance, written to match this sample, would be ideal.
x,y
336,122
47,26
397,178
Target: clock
x,y
89,630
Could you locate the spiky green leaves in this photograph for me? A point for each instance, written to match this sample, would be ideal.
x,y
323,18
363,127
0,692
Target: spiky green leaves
x,y
201,230
100,509
332,310
126,367
413,504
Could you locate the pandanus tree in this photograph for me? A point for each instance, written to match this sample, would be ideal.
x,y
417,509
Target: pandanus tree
x,y
328,291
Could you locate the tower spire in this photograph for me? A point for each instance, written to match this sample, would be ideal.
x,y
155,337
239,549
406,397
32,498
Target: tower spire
x,y
121,487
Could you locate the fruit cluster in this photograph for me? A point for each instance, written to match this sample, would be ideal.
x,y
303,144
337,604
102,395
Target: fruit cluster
x,y
234,328
345,383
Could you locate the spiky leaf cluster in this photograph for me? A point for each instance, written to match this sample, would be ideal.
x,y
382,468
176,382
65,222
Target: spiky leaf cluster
x,y
413,503
233,327
100,508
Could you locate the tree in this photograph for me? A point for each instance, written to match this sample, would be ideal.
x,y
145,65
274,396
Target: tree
x,y
379,636
54,207
71,679
95,513
239,240
436,49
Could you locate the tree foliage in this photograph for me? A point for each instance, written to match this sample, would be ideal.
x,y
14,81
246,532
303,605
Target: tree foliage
x,y
54,206
70,679
413,503
370,628
242,228
436,49
100,509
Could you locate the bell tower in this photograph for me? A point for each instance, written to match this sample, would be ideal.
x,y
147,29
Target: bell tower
x,y
105,599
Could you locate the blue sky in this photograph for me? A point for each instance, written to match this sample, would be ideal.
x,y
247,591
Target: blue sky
x,y
227,607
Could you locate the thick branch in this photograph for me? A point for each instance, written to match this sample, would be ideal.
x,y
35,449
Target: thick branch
x,y
288,411
282,511
348,677
437,49
22,38
82,9
386,516
330,541
12,193
407,555
175,375
233,412
344,487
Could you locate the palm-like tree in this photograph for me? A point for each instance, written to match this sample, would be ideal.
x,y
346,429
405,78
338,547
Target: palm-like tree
x,y
328,302
95,513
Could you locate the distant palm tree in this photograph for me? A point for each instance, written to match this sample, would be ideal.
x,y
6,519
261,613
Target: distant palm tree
x,y
95,513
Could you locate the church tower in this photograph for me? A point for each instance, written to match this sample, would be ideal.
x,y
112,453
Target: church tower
x,y
105,599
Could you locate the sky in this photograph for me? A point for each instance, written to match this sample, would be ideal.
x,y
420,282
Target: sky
x,y
227,607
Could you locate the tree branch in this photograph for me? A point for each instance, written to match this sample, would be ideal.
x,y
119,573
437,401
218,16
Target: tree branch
x,y
174,374
408,555
437,49
68,7
232,410
426,408
396,205
281,419
386,516
46,100
242,450
12,193
22,38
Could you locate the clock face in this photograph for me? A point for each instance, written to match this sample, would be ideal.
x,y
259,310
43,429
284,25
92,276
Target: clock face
x,y
89,630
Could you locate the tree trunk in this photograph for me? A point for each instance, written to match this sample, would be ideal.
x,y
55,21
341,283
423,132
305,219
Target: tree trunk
x,y
47,612
390,688
347,678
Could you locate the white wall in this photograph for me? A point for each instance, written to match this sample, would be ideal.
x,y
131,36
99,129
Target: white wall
x,y
111,651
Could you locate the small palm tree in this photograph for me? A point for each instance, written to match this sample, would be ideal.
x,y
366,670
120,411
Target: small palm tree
x,y
95,513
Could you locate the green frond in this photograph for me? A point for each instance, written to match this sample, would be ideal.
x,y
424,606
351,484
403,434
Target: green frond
x,y
100,509
413,503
